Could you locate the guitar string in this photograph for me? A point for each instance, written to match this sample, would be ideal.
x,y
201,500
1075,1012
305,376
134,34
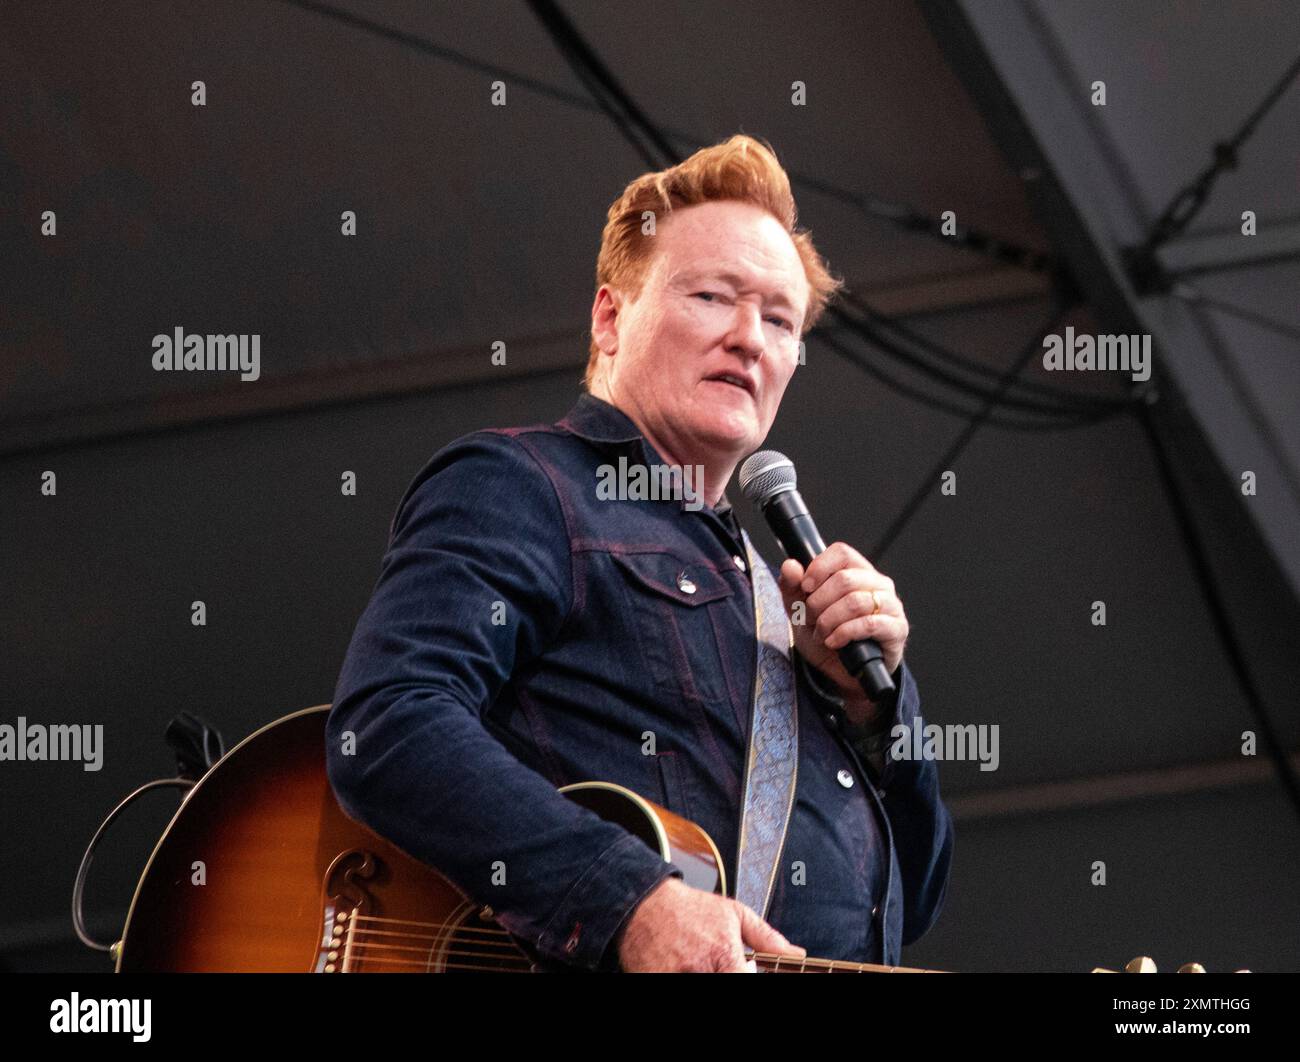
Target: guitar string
x,y
373,951
378,953
366,949
425,949
790,961
518,963
492,931
416,965
489,930
508,952
477,936
508,957
525,967
431,959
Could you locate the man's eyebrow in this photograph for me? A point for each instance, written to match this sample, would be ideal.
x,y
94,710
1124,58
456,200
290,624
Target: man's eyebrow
x,y
735,280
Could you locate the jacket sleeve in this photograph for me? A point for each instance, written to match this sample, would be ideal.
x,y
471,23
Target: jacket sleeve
x,y
909,790
921,824
475,584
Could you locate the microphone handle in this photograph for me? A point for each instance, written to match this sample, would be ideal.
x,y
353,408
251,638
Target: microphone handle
x,y
794,528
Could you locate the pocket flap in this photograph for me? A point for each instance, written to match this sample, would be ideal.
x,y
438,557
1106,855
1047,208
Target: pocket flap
x,y
681,581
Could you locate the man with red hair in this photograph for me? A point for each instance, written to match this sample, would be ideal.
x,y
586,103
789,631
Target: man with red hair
x,y
530,631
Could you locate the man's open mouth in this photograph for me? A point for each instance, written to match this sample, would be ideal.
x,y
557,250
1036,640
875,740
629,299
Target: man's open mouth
x,y
735,380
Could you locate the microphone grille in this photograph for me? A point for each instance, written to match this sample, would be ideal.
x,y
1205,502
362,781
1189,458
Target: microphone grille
x,y
766,474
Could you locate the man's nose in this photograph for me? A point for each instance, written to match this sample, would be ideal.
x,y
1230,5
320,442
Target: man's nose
x,y
746,335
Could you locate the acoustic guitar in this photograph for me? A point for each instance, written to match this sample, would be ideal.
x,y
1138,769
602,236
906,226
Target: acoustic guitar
x,y
260,870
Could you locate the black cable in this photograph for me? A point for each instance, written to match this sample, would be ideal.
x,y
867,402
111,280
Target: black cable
x,y
1148,274
1056,417
942,405
438,51
1189,201
1217,607
88,857
1248,399
967,364
609,106
912,220
612,98
926,486
1068,403
1196,297
903,216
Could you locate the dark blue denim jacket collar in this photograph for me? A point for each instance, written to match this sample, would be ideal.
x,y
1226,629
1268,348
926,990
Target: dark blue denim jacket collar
x,y
608,427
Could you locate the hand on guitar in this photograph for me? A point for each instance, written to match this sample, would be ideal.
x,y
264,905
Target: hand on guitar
x,y
680,929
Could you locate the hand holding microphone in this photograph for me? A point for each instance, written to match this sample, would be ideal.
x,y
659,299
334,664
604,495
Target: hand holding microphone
x,y
855,627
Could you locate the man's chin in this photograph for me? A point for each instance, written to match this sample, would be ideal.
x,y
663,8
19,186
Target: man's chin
x,y
730,435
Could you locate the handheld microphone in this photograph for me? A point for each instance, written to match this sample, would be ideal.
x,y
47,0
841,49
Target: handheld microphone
x,y
767,479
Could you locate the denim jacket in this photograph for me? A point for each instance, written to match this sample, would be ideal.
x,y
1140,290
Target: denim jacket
x,y
526,633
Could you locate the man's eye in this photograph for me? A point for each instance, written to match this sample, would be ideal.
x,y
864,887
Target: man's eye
x,y
783,323
705,295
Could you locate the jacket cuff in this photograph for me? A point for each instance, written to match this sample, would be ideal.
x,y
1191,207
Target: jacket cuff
x,y
870,743
908,714
600,901
830,698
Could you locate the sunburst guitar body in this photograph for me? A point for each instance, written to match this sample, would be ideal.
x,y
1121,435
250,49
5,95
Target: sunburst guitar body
x,y
261,870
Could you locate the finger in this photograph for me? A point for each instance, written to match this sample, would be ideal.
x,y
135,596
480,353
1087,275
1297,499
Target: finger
x,y
834,557
828,562
796,608
791,575
851,580
760,936
854,604
888,631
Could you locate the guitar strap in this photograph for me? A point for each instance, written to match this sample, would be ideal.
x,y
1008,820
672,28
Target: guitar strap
x,y
772,763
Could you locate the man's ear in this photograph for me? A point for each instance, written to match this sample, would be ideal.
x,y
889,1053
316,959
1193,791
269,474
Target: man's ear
x,y
605,309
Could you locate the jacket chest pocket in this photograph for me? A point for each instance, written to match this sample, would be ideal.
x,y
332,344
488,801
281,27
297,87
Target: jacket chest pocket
x,y
676,607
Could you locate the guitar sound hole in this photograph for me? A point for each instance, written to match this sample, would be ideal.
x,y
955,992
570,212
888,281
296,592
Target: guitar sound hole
x,y
480,946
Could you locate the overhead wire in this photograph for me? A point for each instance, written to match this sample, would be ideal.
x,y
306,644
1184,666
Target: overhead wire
x,y
901,215
1189,200
925,486
615,100
1066,403
1193,295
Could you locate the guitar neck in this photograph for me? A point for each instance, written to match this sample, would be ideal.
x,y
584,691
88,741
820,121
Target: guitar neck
x,y
768,962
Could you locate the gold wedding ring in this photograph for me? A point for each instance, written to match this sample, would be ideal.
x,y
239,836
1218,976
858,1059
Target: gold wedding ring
x,y
875,601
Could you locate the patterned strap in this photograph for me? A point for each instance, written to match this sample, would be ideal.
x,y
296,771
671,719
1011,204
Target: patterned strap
x,y
772,763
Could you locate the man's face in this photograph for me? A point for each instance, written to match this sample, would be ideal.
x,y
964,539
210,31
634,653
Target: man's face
x,y
724,295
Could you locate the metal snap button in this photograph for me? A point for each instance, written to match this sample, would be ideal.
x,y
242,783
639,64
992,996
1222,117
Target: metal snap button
x,y
739,563
845,779
684,584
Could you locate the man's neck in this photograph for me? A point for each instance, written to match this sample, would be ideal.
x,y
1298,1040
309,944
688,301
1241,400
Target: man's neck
x,y
717,469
